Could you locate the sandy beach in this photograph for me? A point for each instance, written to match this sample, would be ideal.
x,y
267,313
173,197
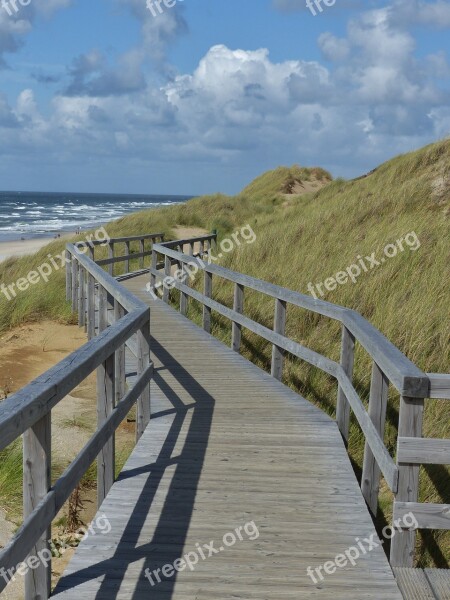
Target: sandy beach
x,y
24,247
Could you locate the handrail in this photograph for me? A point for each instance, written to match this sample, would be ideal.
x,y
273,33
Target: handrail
x,y
390,365
404,375
112,316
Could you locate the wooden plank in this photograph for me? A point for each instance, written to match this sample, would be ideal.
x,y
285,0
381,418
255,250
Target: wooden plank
x,y
414,584
371,475
410,425
118,259
247,448
428,516
423,451
440,582
347,361
207,292
105,407
373,438
91,306
111,258
439,386
119,359
143,409
238,306
280,328
167,272
36,484
408,379
68,276
127,254
74,283
32,529
142,253
81,296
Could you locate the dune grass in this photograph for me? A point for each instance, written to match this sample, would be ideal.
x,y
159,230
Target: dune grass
x,y
307,239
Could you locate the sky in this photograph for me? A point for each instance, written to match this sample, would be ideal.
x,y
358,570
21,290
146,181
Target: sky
x,y
114,96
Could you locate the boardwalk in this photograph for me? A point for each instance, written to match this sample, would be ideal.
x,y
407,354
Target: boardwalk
x,y
228,445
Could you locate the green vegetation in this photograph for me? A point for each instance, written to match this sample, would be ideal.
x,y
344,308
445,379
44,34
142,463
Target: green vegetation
x,y
308,238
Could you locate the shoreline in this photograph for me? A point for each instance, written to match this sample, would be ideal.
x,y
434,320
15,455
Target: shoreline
x,y
19,248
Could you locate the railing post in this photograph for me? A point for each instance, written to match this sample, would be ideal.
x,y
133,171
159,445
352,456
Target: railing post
x,y
36,484
371,475
91,306
142,250
105,406
207,291
410,425
183,296
154,267
143,410
119,359
238,306
74,283
81,296
91,249
279,327
68,276
347,360
127,262
167,273
111,255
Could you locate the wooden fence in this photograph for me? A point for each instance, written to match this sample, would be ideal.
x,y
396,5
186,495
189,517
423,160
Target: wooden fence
x,y
113,318
390,366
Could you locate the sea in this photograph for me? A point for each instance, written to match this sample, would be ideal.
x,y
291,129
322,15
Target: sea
x,y
30,215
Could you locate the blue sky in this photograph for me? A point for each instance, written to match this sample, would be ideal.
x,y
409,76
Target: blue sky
x,y
102,96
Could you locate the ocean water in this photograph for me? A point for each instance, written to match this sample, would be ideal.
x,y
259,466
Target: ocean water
x,y
31,215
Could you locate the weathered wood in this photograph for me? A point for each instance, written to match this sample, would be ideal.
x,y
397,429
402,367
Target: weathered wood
x,y
127,252
153,268
423,451
111,258
410,425
439,386
91,306
81,297
183,296
409,380
238,306
36,484
167,271
428,516
143,409
68,276
347,360
207,291
279,327
228,444
74,283
119,359
34,527
105,407
371,475
373,438
118,259
142,253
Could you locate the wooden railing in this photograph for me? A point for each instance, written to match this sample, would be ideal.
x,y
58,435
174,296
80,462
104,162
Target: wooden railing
x,y
114,318
390,366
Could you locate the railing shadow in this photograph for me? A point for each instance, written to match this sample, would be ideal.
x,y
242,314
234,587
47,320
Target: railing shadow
x,y
174,519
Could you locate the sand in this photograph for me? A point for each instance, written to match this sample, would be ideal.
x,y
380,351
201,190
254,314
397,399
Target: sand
x,y
24,247
25,353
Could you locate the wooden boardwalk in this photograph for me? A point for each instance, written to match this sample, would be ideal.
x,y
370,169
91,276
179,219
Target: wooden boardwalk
x,y
227,446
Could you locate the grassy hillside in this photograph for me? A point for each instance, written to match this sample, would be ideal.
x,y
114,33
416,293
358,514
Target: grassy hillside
x,y
306,239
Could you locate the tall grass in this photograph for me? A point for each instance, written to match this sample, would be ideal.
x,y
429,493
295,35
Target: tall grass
x,y
303,239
